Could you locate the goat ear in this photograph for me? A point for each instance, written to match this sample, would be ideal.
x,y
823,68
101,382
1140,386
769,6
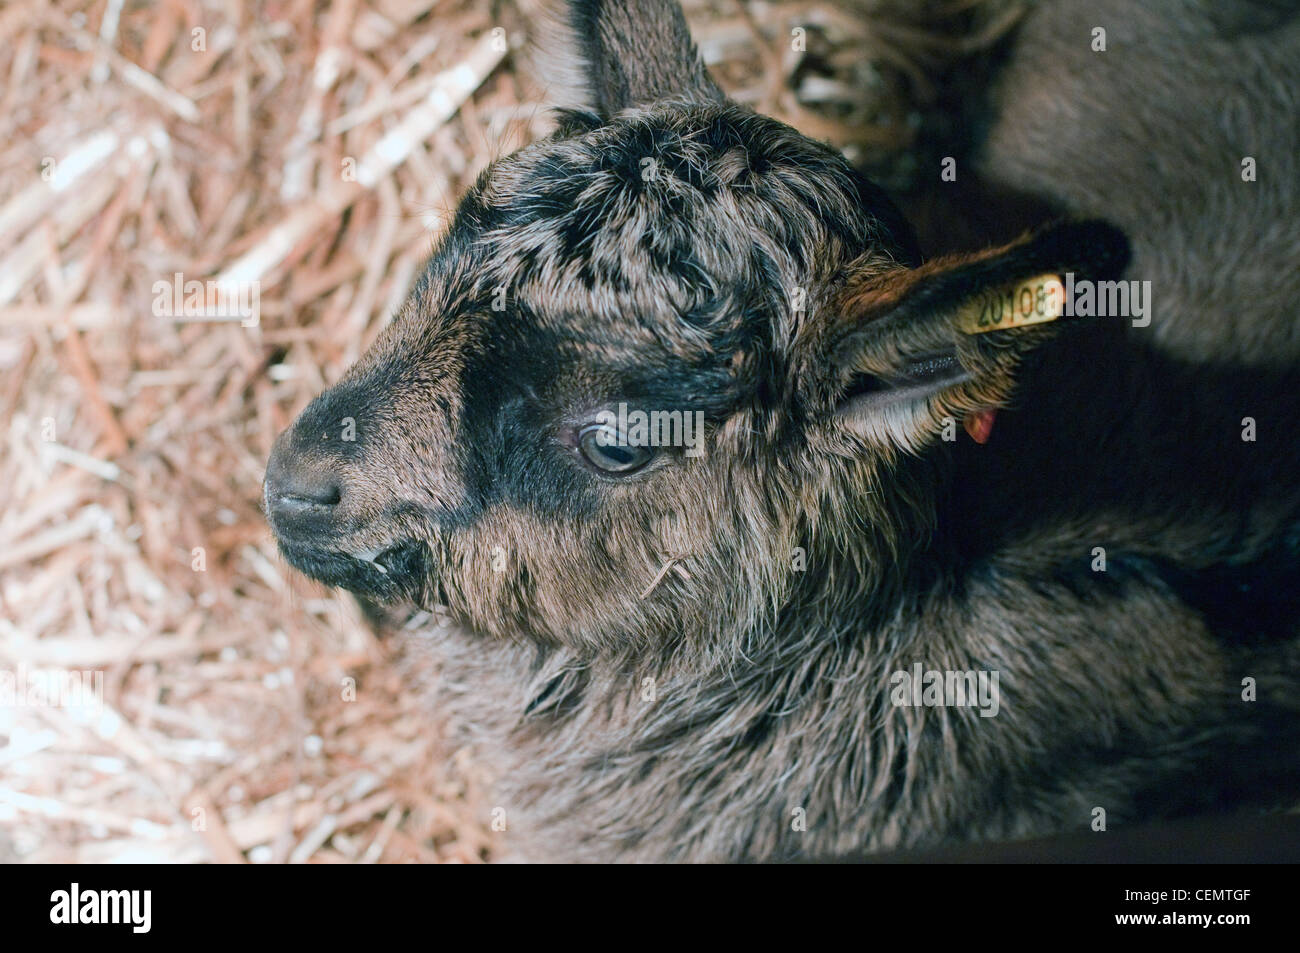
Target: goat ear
x,y
912,350
607,55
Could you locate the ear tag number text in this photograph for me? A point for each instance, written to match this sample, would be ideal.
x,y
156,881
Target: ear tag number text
x,y
1035,301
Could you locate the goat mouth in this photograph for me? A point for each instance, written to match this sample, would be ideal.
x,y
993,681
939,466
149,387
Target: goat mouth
x,y
385,572
375,557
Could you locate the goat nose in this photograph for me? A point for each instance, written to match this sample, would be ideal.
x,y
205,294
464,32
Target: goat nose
x,y
300,489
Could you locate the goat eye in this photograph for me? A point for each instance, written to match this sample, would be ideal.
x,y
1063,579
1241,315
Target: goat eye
x,y
607,450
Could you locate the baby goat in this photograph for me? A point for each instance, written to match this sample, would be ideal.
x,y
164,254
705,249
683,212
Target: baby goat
x,y
845,624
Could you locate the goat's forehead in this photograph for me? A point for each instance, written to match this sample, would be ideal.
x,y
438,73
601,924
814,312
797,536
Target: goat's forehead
x,y
675,225
698,193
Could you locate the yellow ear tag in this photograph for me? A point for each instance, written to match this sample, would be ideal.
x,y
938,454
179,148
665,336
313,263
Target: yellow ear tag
x,y
1035,301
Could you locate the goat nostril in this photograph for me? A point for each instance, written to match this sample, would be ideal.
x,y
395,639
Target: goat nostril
x,y
303,486
303,490
304,493
328,497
